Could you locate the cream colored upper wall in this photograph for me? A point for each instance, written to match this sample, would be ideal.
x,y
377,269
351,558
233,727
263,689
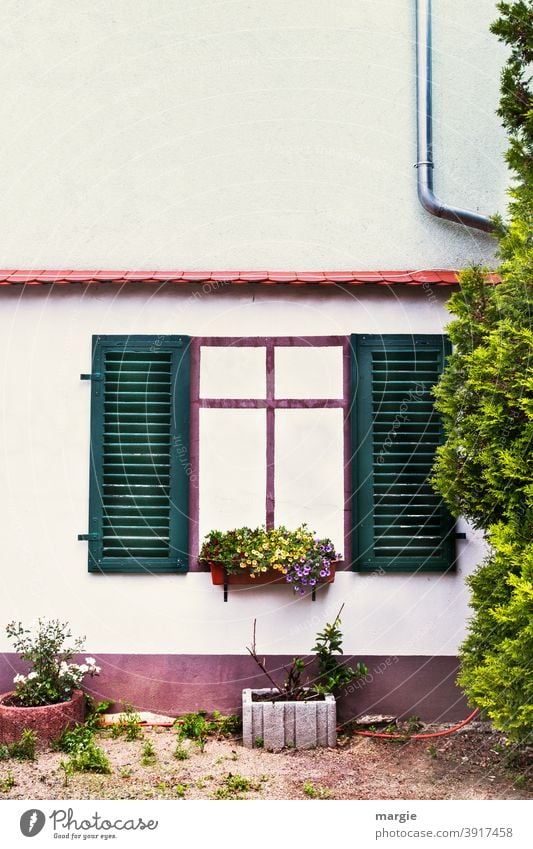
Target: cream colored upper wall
x,y
241,134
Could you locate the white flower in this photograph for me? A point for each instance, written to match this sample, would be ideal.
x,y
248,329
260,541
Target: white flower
x,y
83,668
90,661
97,670
32,675
19,679
63,667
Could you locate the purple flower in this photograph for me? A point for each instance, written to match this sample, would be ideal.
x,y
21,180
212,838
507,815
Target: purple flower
x,y
322,573
312,582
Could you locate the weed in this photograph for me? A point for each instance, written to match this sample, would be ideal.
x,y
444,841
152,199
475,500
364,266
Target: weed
x,y
4,752
74,739
149,756
95,711
432,752
391,729
24,750
317,792
201,784
233,785
413,724
180,790
259,743
225,726
128,725
66,766
7,783
180,753
520,780
198,727
90,759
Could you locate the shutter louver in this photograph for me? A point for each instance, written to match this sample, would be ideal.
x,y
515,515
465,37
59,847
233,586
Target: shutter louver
x,y
136,455
402,524
138,488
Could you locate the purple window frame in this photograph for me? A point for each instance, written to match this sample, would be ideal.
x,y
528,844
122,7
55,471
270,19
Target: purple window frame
x,y
270,404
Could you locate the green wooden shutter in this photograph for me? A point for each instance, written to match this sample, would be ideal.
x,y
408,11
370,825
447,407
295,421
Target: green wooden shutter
x,y
138,502
400,523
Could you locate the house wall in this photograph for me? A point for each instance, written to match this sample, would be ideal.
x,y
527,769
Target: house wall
x,y
227,135
45,343
242,135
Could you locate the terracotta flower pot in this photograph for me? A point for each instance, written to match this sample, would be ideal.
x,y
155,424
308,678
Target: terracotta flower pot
x,y
48,721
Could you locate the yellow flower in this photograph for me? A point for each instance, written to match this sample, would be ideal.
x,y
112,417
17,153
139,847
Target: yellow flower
x,y
254,562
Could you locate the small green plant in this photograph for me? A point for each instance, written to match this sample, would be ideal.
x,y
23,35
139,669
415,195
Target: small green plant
x,y
313,792
90,759
4,752
180,790
66,766
225,726
180,753
233,785
74,739
24,749
125,771
7,783
391,728
201,784
95,711
432,752
413,724
129,724
520,780
196,727
148,756
259,743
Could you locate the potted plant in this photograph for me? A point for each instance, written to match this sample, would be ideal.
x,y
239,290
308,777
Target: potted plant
x,y
259,556
48,698
296,714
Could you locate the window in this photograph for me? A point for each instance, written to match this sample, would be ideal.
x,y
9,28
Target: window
x,y
138,500
400,524
278,437
269,415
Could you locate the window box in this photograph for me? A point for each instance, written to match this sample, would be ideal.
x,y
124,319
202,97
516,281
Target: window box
x,y
221,577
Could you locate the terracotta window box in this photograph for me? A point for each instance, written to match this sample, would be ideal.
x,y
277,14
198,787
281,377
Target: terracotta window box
x,y
220,577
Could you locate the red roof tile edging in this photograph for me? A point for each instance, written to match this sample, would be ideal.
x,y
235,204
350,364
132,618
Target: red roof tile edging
x,y
33,276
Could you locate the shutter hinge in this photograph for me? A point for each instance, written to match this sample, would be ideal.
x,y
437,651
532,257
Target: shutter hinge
x,y
96,375
90,536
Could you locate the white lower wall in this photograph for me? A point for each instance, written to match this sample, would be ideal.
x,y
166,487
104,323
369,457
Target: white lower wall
x,y
45,343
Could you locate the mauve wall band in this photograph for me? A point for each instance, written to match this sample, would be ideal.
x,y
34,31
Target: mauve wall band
x,y
403,686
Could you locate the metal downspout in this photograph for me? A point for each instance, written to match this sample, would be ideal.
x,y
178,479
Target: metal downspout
x,y
424,131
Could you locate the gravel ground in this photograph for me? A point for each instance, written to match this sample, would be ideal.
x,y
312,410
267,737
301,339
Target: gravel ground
x,y
471,764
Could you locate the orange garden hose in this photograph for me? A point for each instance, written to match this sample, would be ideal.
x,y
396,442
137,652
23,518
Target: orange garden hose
x,y
386,736
381,734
